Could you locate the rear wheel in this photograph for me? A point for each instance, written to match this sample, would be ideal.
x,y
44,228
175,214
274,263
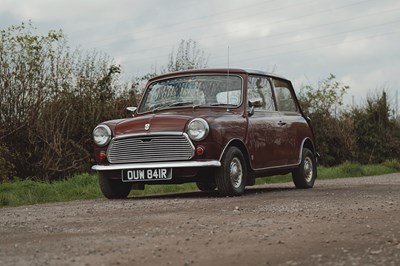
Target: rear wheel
x,y
304,176
231,176
113,188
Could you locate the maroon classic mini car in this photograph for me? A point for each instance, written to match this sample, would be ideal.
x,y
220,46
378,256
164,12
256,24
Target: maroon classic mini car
x,y
220,128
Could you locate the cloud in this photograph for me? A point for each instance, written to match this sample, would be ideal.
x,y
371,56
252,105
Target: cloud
x,y
355,40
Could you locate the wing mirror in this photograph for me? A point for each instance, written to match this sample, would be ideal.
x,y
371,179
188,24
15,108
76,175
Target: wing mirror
x,y
131,110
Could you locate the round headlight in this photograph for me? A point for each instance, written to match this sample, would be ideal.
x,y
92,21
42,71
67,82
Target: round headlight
x,y
198,129
102,135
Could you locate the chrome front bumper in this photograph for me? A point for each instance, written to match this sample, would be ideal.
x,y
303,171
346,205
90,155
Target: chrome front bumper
x,y
130,166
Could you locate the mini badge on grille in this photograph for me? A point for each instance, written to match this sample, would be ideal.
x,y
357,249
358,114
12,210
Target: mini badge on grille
x,y
146,127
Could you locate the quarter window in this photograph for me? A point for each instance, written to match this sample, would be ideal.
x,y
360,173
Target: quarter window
x,y
284,97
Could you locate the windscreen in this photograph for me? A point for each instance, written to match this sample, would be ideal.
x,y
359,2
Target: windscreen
x,y
197,90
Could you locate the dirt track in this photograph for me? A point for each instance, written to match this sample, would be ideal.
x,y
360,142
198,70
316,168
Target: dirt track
x,y
338,222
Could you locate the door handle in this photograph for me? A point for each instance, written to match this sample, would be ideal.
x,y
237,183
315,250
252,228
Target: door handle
x,y
281,123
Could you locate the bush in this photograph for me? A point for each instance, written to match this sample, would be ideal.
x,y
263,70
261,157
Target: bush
x,y
366,134
50,101
377,133
7,169
393,164
351,169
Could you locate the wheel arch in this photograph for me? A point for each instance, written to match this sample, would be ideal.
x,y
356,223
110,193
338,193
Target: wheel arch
x,y
240,145
309,144
302,176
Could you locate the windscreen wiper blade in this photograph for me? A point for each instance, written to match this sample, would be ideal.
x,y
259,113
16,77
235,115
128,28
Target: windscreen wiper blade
x,y
180,103
222,104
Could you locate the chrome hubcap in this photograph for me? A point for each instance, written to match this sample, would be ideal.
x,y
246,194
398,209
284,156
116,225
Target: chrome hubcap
x,y
236,172
308,169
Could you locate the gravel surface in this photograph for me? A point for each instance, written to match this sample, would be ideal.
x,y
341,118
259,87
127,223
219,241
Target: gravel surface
x,y
338,222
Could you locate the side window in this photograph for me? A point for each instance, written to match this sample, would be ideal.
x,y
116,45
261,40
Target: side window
x,y
259,89
284,97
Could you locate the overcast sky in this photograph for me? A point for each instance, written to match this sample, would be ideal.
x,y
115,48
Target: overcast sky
x,y
303,40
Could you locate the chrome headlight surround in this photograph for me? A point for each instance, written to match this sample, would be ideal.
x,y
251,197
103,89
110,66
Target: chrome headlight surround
x,y
198,129
101,135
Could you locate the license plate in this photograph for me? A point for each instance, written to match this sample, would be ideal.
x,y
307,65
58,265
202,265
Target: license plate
x,y
146,174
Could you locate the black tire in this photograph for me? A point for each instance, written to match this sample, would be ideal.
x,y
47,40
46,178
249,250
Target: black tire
x,y
114,188
206,186
231,176
304,176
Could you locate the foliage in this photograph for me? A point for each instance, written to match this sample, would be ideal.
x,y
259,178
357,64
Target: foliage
x,y
25,192
325,98
348,169
377,134
50,100
366,134
333,135
7,168
137,88
188,56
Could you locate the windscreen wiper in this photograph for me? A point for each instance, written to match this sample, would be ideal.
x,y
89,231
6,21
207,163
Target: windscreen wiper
x,y
180,103
222,104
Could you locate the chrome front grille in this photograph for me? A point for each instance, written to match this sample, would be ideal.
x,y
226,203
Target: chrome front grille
x,y
150,148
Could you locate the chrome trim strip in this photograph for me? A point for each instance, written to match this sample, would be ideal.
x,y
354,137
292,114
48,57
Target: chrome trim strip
x,y
301,151
156,165
150,134
226,146
276,167
302,147
190,142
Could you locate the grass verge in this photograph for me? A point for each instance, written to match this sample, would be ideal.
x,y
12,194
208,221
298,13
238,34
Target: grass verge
x,y
85,186
26,192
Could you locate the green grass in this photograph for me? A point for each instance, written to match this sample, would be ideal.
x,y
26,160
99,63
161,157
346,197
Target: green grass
x,y
26,192
85,186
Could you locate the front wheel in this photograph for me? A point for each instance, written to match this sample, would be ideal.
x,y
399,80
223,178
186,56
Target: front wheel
x,y
231,176
206,186
113,188
304,176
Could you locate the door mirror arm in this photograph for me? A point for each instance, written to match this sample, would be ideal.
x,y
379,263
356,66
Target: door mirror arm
x,y
251,111
252,104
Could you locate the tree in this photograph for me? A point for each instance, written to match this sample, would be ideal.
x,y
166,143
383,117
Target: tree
x,y
188,56
50,101
26,74
324,98
378,136
334,133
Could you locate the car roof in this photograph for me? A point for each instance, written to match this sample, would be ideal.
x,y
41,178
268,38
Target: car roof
x,y
218,70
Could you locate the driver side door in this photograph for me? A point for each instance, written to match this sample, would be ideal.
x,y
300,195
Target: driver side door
x,y
266,130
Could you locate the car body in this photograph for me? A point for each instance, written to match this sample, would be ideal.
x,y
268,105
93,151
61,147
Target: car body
x,y
220,128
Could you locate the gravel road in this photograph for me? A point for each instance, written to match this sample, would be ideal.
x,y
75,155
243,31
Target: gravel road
x,y
338,222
